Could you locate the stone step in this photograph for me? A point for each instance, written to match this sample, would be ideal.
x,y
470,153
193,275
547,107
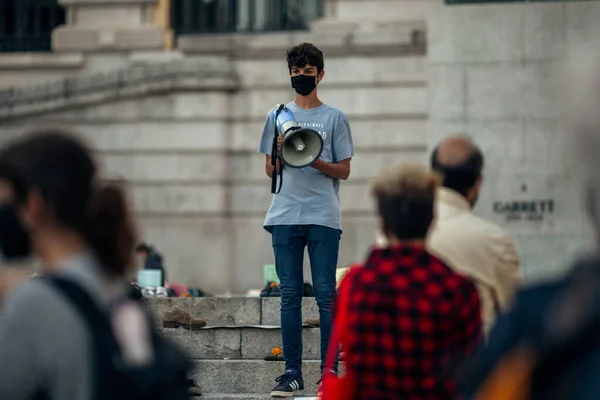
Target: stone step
x,y
239,343
248,376
229,310
250,396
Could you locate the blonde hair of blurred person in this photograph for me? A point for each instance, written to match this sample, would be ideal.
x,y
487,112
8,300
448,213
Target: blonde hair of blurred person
x,y
53,207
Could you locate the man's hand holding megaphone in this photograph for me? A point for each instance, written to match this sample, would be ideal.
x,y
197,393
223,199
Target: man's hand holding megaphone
x,y
297,147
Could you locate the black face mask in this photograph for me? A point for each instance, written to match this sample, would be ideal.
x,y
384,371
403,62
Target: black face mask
x,y
15,242
304,84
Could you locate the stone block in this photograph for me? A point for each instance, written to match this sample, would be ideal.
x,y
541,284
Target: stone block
x,y
196,249
201,105
208,343
227,311
357,237
156,136
582,29
476,33
544,31
548,148
394,100
544,88
389,133
257,343
367,134
548,256
139,38
240,396
254,199
355,197
338,71
257,104
367,164
20,76
495,91
250,199
328,25
68,38
389,100
565,192
333,40
117,15
171,168
245,135
270,310
39,61
250,168
447,91
143,57
248,376
179,199
440,40
502,143
251,248
387,37
191,106
277,40
438,130
216,311
206,43
385,10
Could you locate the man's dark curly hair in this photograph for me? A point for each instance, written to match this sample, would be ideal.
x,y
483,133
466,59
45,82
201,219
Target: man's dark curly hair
x,y
305,54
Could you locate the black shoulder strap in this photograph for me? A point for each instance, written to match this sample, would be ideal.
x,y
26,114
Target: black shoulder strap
x,y
82,301
105,347
275,156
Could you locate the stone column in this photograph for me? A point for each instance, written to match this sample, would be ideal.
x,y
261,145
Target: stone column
x,y
109,25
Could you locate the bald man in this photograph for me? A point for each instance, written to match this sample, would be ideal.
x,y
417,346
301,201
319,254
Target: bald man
x,y
471,245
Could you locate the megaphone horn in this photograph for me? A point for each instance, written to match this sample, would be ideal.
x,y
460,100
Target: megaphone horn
x,y
300,147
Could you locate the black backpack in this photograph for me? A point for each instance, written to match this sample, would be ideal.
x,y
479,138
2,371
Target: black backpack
x,y
164,379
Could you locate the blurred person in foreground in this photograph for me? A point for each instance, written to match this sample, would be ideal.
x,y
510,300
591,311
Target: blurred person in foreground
x,y
547,347
61,332
477,248
404,319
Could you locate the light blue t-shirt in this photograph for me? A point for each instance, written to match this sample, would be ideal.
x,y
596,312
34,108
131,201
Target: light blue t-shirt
x,y
307,196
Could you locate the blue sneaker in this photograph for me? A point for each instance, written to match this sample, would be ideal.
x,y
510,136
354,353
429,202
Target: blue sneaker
x,y
288,385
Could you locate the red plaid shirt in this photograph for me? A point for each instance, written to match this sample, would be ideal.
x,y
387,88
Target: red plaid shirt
x,y
410,319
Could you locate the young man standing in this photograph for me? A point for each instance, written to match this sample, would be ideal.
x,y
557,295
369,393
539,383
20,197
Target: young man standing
x,y
306,212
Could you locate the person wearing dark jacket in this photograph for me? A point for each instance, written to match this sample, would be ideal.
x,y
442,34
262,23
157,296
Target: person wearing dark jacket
x,y
548,345
152,259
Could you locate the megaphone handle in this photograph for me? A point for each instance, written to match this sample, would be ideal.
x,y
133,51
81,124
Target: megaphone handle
x,y
275,155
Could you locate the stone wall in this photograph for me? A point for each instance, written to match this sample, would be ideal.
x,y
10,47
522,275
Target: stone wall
x,y
497,73
188,150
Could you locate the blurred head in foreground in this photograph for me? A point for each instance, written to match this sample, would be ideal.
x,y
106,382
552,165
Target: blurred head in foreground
x,y
52,204
405,196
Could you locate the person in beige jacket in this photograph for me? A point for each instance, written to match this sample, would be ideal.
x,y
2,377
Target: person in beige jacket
x,y
477,248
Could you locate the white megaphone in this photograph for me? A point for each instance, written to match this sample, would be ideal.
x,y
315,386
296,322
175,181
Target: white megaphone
x,y
300,147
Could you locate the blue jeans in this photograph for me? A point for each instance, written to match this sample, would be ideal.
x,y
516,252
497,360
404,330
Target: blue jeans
x,y
288,245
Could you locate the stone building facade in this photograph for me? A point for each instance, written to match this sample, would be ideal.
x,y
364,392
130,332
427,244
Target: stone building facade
x,y
178,117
